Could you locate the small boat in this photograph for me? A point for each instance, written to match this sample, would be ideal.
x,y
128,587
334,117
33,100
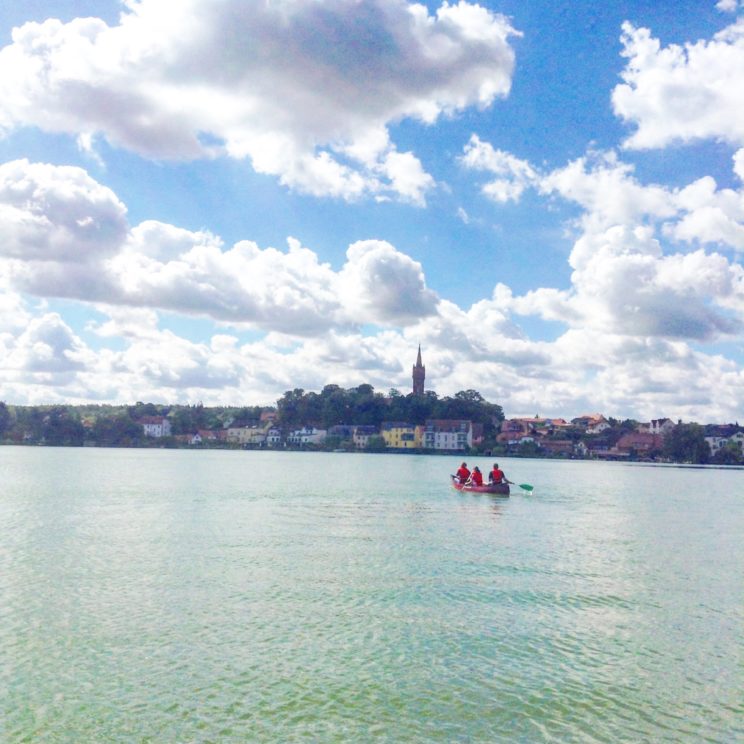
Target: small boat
x,y
500,489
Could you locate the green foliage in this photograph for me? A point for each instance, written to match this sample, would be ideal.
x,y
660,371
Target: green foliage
x,y
361,405
188,419
53,425
140,409
376,444
730,454
686,443
5,418
334,442
117,431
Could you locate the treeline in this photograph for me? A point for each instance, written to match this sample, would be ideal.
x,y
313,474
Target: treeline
x,y
120,426
362,405
110,425
686,443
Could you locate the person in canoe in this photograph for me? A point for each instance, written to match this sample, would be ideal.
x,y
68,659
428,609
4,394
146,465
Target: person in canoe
x,y
497,475
463,473
476,477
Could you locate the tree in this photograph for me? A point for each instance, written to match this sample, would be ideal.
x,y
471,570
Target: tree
x,y
729,454
686,443
246,416
336,406
470,396
5,418
188,419
376,444
288,407
140,409
117,431
61,427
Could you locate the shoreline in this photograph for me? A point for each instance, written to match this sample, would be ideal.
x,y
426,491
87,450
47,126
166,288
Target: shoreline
x,y
457,454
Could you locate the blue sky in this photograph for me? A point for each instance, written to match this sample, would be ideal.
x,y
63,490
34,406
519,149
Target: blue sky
x,y
218,201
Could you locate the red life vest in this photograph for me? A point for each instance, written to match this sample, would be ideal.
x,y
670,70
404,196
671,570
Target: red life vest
x,y
477,478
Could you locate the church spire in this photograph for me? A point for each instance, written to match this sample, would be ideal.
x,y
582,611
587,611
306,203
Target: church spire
x,y
419,374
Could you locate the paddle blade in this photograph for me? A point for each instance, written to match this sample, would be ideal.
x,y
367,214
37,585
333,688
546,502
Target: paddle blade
x,y
526,487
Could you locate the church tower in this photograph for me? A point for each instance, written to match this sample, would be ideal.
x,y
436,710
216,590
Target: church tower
x,y
419,373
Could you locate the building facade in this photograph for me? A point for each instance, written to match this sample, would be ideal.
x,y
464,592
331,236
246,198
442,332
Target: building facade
x,y
447,434
399,435
155,426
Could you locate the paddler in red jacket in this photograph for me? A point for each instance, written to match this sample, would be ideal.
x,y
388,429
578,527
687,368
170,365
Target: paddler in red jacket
x,y
476,478
497,475
463,473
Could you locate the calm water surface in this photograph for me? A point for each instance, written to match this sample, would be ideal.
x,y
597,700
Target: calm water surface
x,y
172,596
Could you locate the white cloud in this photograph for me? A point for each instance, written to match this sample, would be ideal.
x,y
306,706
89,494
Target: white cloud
x,y
631,312
607,191
739,163
682,93
642,376
513,175
727,6
57,213
305,90
625,281
46,350
378,284
78,246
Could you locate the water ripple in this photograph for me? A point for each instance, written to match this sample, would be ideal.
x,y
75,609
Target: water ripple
x,y
170,602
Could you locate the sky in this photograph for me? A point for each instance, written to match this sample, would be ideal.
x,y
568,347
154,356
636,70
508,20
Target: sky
x,y
217,201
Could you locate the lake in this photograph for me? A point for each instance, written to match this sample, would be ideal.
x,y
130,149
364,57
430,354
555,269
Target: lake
x,y
224,596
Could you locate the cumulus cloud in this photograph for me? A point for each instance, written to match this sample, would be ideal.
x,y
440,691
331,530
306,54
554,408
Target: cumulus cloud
x,y
632,310
513,175
45,355
710,215
381,285
57,213
642,376
607,191
305,90
73,242
681,94
632,275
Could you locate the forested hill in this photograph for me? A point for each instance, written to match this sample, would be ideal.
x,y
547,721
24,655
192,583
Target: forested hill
x,y
362,405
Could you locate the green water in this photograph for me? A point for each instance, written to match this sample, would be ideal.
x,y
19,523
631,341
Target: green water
x,y
171,596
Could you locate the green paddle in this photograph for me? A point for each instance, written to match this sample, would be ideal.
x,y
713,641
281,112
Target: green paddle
x,y
524,486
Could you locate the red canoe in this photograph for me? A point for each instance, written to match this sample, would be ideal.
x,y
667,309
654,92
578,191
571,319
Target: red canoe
x,y
500,489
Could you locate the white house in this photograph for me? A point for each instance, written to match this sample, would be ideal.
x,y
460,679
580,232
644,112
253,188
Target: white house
x,y
238,434
447,434
306,435
661,426
362,435
155,426
273,437
597,427
719,442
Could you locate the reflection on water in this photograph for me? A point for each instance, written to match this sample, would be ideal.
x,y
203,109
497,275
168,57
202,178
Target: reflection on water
x,y
239,596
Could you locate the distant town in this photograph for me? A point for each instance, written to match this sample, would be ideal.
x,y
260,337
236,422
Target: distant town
x,y
361,419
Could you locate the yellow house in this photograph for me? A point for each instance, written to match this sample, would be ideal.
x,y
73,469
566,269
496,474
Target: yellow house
x,y
399,435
